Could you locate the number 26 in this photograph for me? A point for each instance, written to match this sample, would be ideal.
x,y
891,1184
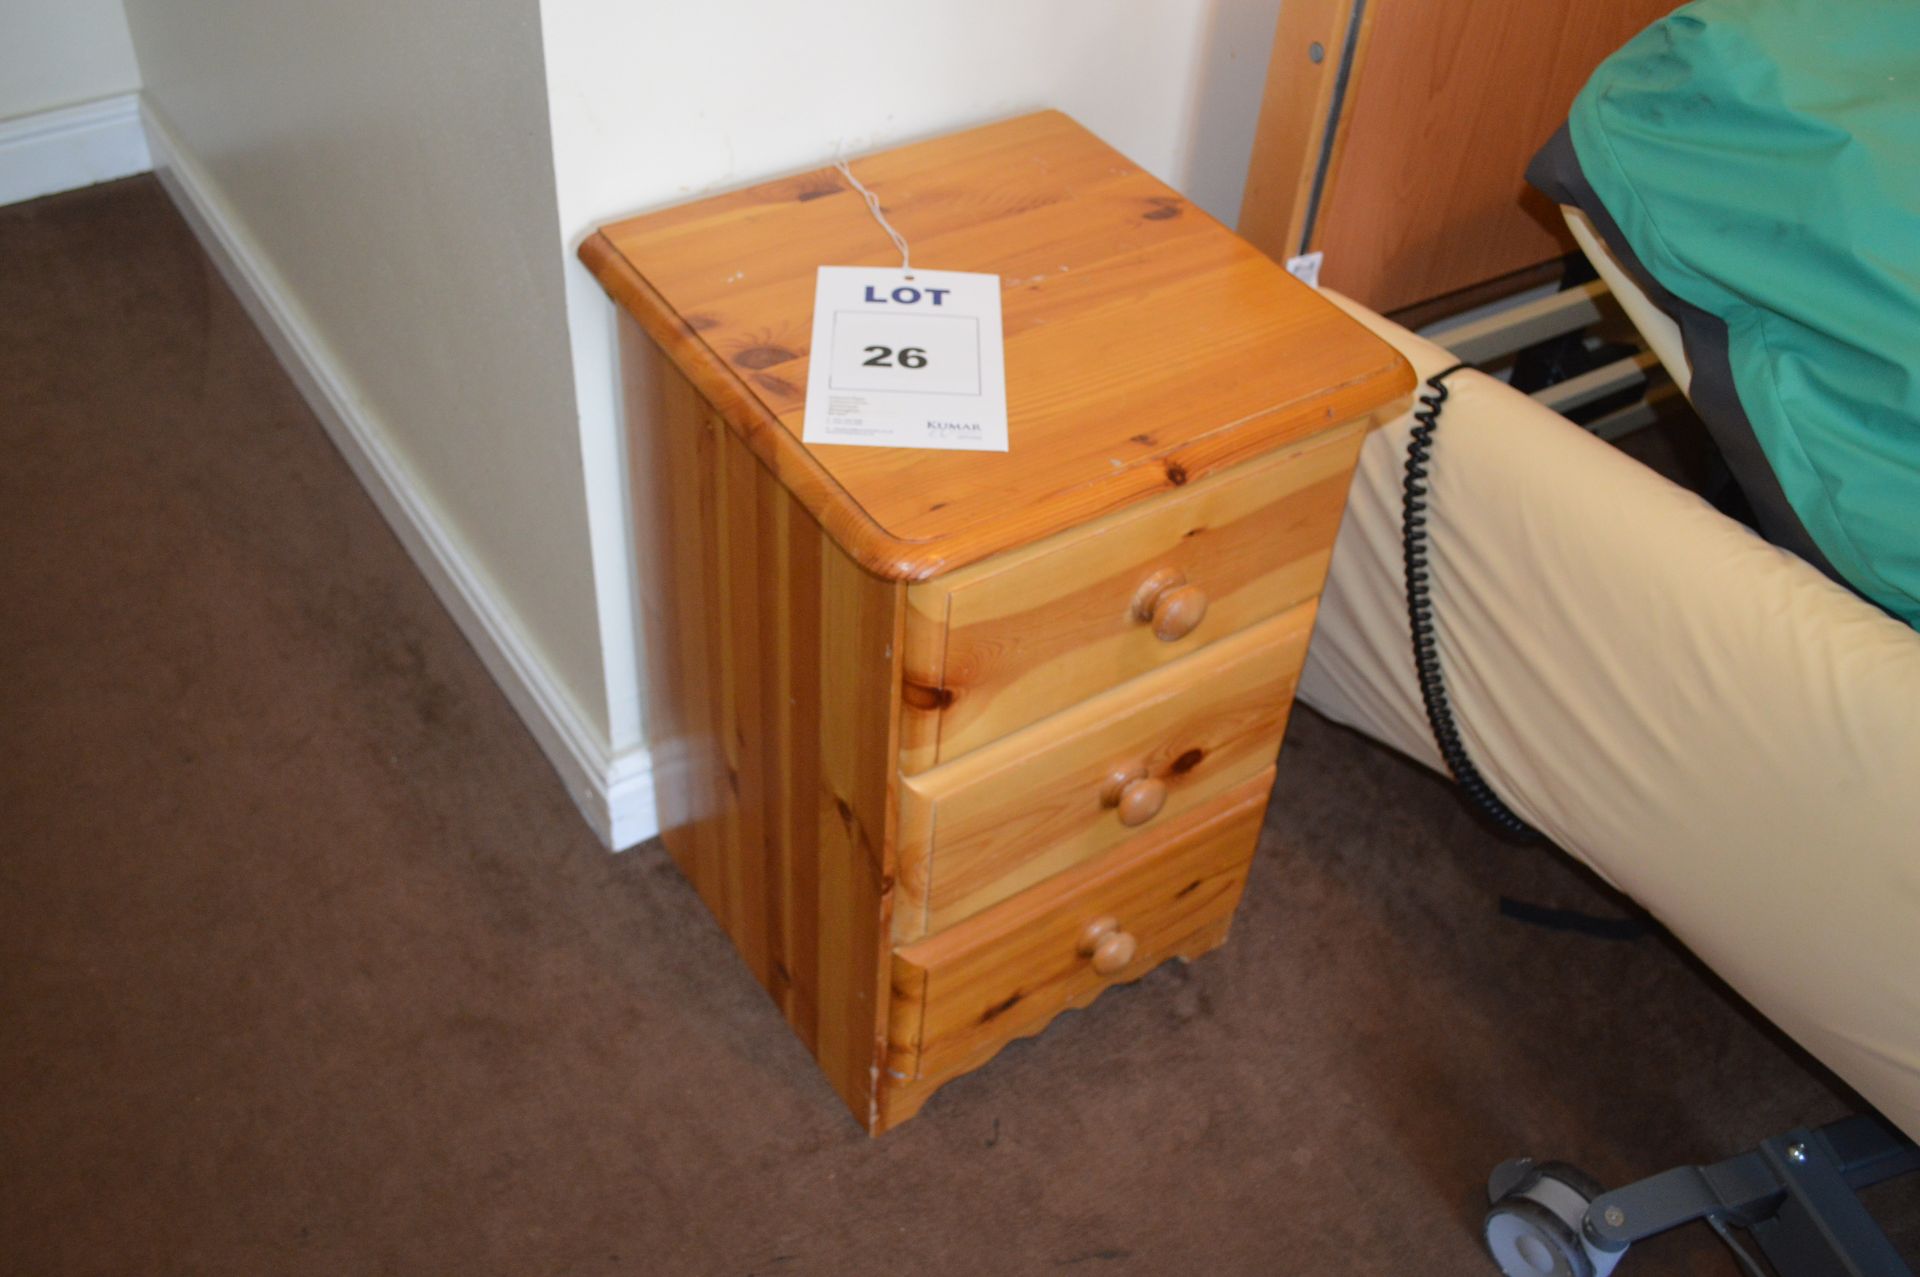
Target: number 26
x,y
881,357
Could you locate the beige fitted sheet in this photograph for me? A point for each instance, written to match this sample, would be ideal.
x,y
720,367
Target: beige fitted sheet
x,y
1712,725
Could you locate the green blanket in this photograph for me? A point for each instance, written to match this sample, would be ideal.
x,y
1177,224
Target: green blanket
x,y
1761,160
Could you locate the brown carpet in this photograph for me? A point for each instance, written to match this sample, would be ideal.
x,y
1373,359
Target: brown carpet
x,y
308,966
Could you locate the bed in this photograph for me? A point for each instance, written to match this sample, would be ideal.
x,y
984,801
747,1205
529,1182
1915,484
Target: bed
x,y
1725,732
1716,728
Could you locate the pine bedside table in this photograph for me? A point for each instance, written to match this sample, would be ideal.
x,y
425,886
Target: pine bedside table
x,y
950,742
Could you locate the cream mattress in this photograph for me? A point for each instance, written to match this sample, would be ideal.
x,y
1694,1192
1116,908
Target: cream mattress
x,y
1714,727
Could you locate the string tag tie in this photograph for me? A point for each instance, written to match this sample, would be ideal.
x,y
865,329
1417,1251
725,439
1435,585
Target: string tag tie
x,y
879,215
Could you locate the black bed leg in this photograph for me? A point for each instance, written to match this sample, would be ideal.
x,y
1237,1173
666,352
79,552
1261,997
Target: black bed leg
x,y
1821,1225
1796,1196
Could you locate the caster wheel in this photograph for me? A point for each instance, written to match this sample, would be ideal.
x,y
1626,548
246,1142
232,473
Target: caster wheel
x,y
1533,1228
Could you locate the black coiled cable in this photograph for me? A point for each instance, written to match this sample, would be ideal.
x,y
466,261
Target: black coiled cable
x,y
1426,654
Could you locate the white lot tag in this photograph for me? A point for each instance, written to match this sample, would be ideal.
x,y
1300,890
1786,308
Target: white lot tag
x,y
906,360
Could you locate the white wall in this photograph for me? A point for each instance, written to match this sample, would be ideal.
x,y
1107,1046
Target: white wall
x,y
405,185
56,53
388,168
654,104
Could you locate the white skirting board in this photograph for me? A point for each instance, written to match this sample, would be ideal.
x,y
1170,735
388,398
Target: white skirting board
x,y
614,792
74,146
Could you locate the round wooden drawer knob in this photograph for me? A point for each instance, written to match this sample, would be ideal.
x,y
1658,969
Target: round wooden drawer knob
x,y
1179,612
1137,796
1141,800
1110,948
1174,608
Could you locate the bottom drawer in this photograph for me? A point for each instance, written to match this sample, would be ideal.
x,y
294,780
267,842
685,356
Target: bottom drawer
x,y
961,995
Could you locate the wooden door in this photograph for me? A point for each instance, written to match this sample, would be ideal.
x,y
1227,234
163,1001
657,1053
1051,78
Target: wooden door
x,y
1409,172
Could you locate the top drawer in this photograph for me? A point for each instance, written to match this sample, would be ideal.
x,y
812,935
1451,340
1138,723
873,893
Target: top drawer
x,y
1025,634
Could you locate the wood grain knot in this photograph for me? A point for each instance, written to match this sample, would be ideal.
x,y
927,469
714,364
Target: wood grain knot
x,y
1189,889
846,812
1164,209
920,696
1187,761
700,323
1176,473
776,386
818,191
758,357
999,1009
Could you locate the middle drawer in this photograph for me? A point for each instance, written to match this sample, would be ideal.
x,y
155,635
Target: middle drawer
x,y
994,822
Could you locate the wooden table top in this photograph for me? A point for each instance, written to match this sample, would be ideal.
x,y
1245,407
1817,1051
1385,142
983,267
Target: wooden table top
x,y
1146,344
